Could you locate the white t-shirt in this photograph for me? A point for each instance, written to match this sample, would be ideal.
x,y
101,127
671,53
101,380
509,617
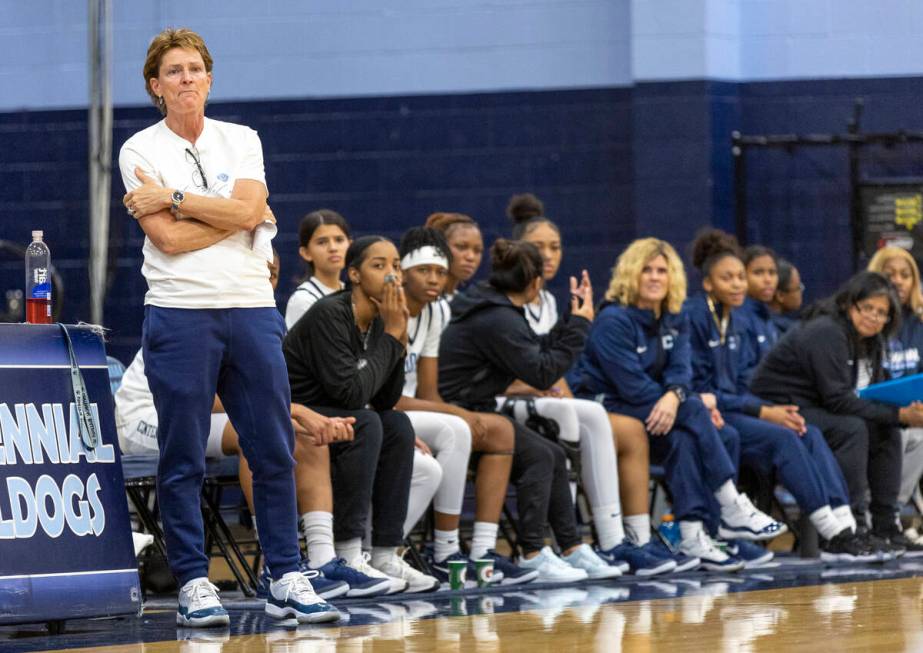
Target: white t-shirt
x,y
133,400
231,273
304,297
423,333
542,314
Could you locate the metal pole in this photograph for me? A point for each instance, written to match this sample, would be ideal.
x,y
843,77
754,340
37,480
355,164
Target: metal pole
x,y
100,150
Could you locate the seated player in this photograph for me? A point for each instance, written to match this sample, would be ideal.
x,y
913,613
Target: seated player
x,y
637,359
345,357
486,346
450,431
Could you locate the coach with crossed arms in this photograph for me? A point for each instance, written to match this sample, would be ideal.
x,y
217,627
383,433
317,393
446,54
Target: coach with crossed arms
x,y
198,190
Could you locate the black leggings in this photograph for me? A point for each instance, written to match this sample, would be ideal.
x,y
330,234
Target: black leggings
x,y
542,491
373,469
869,456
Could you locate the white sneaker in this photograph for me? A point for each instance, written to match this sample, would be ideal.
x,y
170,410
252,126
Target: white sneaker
x,y
417,581
551,569
583,557
294,596
361,564
199,605
702,547
741,520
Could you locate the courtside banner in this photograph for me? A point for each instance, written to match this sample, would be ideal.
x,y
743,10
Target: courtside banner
x,y
65,539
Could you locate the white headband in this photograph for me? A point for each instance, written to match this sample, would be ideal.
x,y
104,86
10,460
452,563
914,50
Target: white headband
x,y
426,255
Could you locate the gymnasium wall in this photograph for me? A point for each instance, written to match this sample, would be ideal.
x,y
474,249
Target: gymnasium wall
x,y
618,114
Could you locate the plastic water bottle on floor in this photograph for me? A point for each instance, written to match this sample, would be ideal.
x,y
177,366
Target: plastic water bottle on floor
x,y
669,531
38,281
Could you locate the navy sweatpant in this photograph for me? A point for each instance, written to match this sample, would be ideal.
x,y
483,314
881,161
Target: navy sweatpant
x,y
766,446
189,356
696,459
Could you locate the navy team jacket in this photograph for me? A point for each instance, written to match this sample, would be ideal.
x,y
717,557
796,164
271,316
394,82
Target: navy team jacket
x,y
760,333
721,369
632,358
905,350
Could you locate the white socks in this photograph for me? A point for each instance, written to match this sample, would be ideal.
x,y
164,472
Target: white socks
x,y
349,550
445,544
483,539
688,530
826,523
381,555
727,493
638,528
608,522
317,529
846,518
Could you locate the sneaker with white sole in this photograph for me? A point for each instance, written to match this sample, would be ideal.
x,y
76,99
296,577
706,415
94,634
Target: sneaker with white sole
x,y
751,553
742,520
293,596
702,547
361,564
640,560
551,569
417,581
199,605
583,557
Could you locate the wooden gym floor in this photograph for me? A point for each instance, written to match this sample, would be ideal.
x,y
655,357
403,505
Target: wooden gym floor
x,y
792,606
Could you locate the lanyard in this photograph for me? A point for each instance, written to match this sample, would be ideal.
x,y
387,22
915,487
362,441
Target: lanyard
x,y
89,432
721,323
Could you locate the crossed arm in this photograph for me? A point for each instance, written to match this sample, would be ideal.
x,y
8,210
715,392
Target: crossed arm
x,y
207,220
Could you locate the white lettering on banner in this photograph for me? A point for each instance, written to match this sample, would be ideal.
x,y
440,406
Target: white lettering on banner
x,y
28,434
52,507
40,435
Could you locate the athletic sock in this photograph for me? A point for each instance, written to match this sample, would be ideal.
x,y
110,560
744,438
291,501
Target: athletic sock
x,y
846,518
638,528
317,528
689,529
727,493
349,550
445,543
826,523
608,521
483,539
381,555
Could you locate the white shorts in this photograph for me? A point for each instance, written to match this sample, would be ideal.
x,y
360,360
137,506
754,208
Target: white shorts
x,y
139,436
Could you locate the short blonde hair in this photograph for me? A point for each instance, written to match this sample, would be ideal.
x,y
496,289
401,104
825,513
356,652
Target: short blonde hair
x,y
885,254
626,275
179,37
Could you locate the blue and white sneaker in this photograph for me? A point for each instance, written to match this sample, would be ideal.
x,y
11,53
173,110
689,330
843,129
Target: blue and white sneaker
x,y
752,554
440,569
199,605
661,550
293,596
510,573
583,557
359,583
641,562
741,520
702,547
325,587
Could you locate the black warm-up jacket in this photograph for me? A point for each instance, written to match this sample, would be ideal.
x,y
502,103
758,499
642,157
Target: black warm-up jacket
x,y
815,365
489,344
329,365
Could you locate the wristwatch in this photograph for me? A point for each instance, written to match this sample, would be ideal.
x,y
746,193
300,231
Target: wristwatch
x,y
177,198
679,392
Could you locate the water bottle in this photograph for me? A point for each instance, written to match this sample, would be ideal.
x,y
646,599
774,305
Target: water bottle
x,y
669,531
38,281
